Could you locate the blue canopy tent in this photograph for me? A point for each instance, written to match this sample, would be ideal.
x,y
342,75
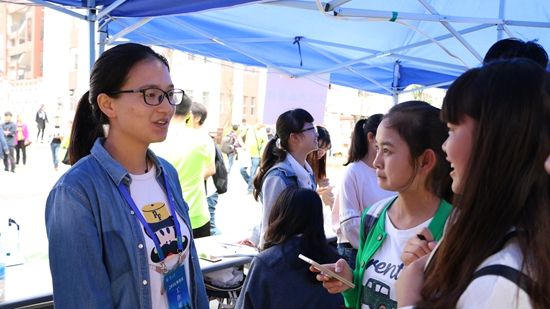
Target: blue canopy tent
x,y
378,46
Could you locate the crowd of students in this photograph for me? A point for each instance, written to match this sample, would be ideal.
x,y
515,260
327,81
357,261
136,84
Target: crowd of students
x,y
119,220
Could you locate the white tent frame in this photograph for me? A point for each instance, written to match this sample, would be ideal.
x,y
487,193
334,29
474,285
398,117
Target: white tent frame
x,y
330,9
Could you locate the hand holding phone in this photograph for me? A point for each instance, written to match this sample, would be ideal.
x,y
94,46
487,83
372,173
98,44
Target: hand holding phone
x,y
327,272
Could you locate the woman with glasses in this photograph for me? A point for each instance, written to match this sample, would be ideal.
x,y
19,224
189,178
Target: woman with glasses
x,y
283,163
118,227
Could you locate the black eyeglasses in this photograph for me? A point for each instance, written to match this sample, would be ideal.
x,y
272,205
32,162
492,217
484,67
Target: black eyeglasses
x,y
154,96
308,129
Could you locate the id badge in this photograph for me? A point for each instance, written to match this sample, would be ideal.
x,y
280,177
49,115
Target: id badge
x,y
175,284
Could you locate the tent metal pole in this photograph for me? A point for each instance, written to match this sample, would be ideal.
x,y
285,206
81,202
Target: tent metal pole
x,y
388,52
108,9
501,9
91,30
330,6
101,43
59,9
324,53
230,46
389,15
128,29
395,83
427,87
453,31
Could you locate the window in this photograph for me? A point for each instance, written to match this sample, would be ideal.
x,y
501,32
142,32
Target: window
x,y
245,105
252,105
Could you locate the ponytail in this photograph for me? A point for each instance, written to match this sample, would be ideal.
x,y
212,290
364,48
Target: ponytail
x,y
271,156
359,144
87,127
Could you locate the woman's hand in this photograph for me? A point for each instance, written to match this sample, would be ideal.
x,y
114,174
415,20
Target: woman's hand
x,y
326,195
417,247
323,182
333,285
410,282
247,242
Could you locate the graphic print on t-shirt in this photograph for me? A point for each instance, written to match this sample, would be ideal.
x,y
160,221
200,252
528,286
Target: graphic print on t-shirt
x,y
161,222
376,293
384,267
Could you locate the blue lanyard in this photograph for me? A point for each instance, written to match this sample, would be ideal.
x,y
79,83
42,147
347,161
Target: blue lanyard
x,y
122,188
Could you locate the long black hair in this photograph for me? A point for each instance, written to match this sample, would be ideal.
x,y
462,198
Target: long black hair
x,y
505,183
275,151
299,211
359,146
109,73
419,125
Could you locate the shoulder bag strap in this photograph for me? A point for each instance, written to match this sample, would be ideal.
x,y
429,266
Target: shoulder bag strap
x,y
520,279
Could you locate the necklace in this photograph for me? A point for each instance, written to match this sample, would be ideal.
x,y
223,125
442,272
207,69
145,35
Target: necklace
x,y
146,165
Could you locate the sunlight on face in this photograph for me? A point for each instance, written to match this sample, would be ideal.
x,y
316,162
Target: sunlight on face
x,y
458,147
393,159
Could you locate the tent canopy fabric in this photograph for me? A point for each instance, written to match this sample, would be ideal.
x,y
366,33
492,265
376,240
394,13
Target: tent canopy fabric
x,y
378,46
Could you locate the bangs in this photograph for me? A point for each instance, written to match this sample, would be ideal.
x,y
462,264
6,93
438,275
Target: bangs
x,y
460,99
298,118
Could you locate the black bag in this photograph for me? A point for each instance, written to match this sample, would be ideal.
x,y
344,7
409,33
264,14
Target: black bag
x,y
220,178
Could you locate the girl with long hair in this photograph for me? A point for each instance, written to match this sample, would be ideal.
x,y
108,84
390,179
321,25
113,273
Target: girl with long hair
x,y
277,277
499,138
358,189
283,163
318,159
409,161
118,228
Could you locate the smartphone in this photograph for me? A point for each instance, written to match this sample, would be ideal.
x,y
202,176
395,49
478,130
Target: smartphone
x,y
327,271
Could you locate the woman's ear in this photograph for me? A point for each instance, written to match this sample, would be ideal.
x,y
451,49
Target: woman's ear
x,y
428,160
294,139
106,106
371,138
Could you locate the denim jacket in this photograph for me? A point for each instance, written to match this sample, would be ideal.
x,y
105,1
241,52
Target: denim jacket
x,y
97,251
276,179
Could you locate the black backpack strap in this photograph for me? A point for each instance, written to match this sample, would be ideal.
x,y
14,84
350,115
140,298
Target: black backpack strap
x,y
520,279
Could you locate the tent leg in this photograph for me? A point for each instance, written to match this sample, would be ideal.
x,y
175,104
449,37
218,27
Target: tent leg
x,y
395,83
500,27
101,43
91,30
395,97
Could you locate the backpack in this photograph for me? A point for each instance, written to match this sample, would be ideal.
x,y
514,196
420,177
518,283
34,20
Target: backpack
x,y
227,144
220,178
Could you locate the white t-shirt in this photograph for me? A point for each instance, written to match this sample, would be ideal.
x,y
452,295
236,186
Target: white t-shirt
x,y
358,190
487,292
383,269
151,200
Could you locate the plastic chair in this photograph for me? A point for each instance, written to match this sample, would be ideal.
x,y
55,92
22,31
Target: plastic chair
x,y
226,297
